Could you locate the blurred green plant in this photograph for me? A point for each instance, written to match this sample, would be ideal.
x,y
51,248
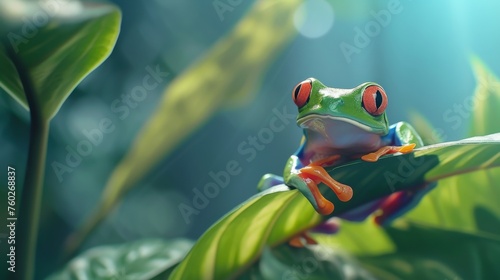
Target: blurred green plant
x,y
41,64
144,259
194,96
430,252
314,262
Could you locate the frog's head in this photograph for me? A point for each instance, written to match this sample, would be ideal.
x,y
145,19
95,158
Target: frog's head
x,y
332,113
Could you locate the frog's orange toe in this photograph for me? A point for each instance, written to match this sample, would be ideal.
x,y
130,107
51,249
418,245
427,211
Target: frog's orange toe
x,y
345,194
371,157
325,209
407,148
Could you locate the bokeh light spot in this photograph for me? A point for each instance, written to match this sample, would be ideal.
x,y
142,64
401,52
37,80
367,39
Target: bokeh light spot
x,y
313,18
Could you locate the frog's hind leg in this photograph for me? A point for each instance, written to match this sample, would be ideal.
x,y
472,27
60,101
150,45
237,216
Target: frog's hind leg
x,y
269,180
397,204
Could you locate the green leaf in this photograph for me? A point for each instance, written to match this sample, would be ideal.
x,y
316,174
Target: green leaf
x,y
229,247
58,55
358,238
432,253
230,73
311,262
144,259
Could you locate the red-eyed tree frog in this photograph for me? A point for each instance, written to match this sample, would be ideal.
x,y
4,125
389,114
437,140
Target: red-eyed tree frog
x,y
341,125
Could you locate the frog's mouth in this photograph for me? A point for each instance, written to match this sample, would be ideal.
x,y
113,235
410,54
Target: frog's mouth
x,y
328,135
322,122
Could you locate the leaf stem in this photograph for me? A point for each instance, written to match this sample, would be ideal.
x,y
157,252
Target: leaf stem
x,y
31,197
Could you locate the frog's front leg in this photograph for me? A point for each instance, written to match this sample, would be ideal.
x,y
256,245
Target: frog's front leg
x,y
306,180
386,150
404,138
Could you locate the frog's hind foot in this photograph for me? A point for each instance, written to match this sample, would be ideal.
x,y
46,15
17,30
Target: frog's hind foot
x,y
330,226
301,240
397,204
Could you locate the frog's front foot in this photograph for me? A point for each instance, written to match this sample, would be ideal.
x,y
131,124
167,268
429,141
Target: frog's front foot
x,y
372,157
312,175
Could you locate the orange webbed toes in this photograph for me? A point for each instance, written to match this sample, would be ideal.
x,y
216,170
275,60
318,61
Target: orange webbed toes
x,y
344,192
324,207
314,174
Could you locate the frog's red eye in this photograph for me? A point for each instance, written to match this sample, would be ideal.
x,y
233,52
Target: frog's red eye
x,y
374,100
301,93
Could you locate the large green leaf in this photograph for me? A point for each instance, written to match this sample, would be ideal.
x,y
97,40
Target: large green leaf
x,y
55,47
229,73
235,241
140,260
425,252
470,202
271,217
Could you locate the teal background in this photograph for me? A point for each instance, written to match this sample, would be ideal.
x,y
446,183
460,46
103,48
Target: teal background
x,y
421,58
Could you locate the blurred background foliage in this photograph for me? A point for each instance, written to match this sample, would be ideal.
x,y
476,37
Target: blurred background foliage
x,y
421,57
